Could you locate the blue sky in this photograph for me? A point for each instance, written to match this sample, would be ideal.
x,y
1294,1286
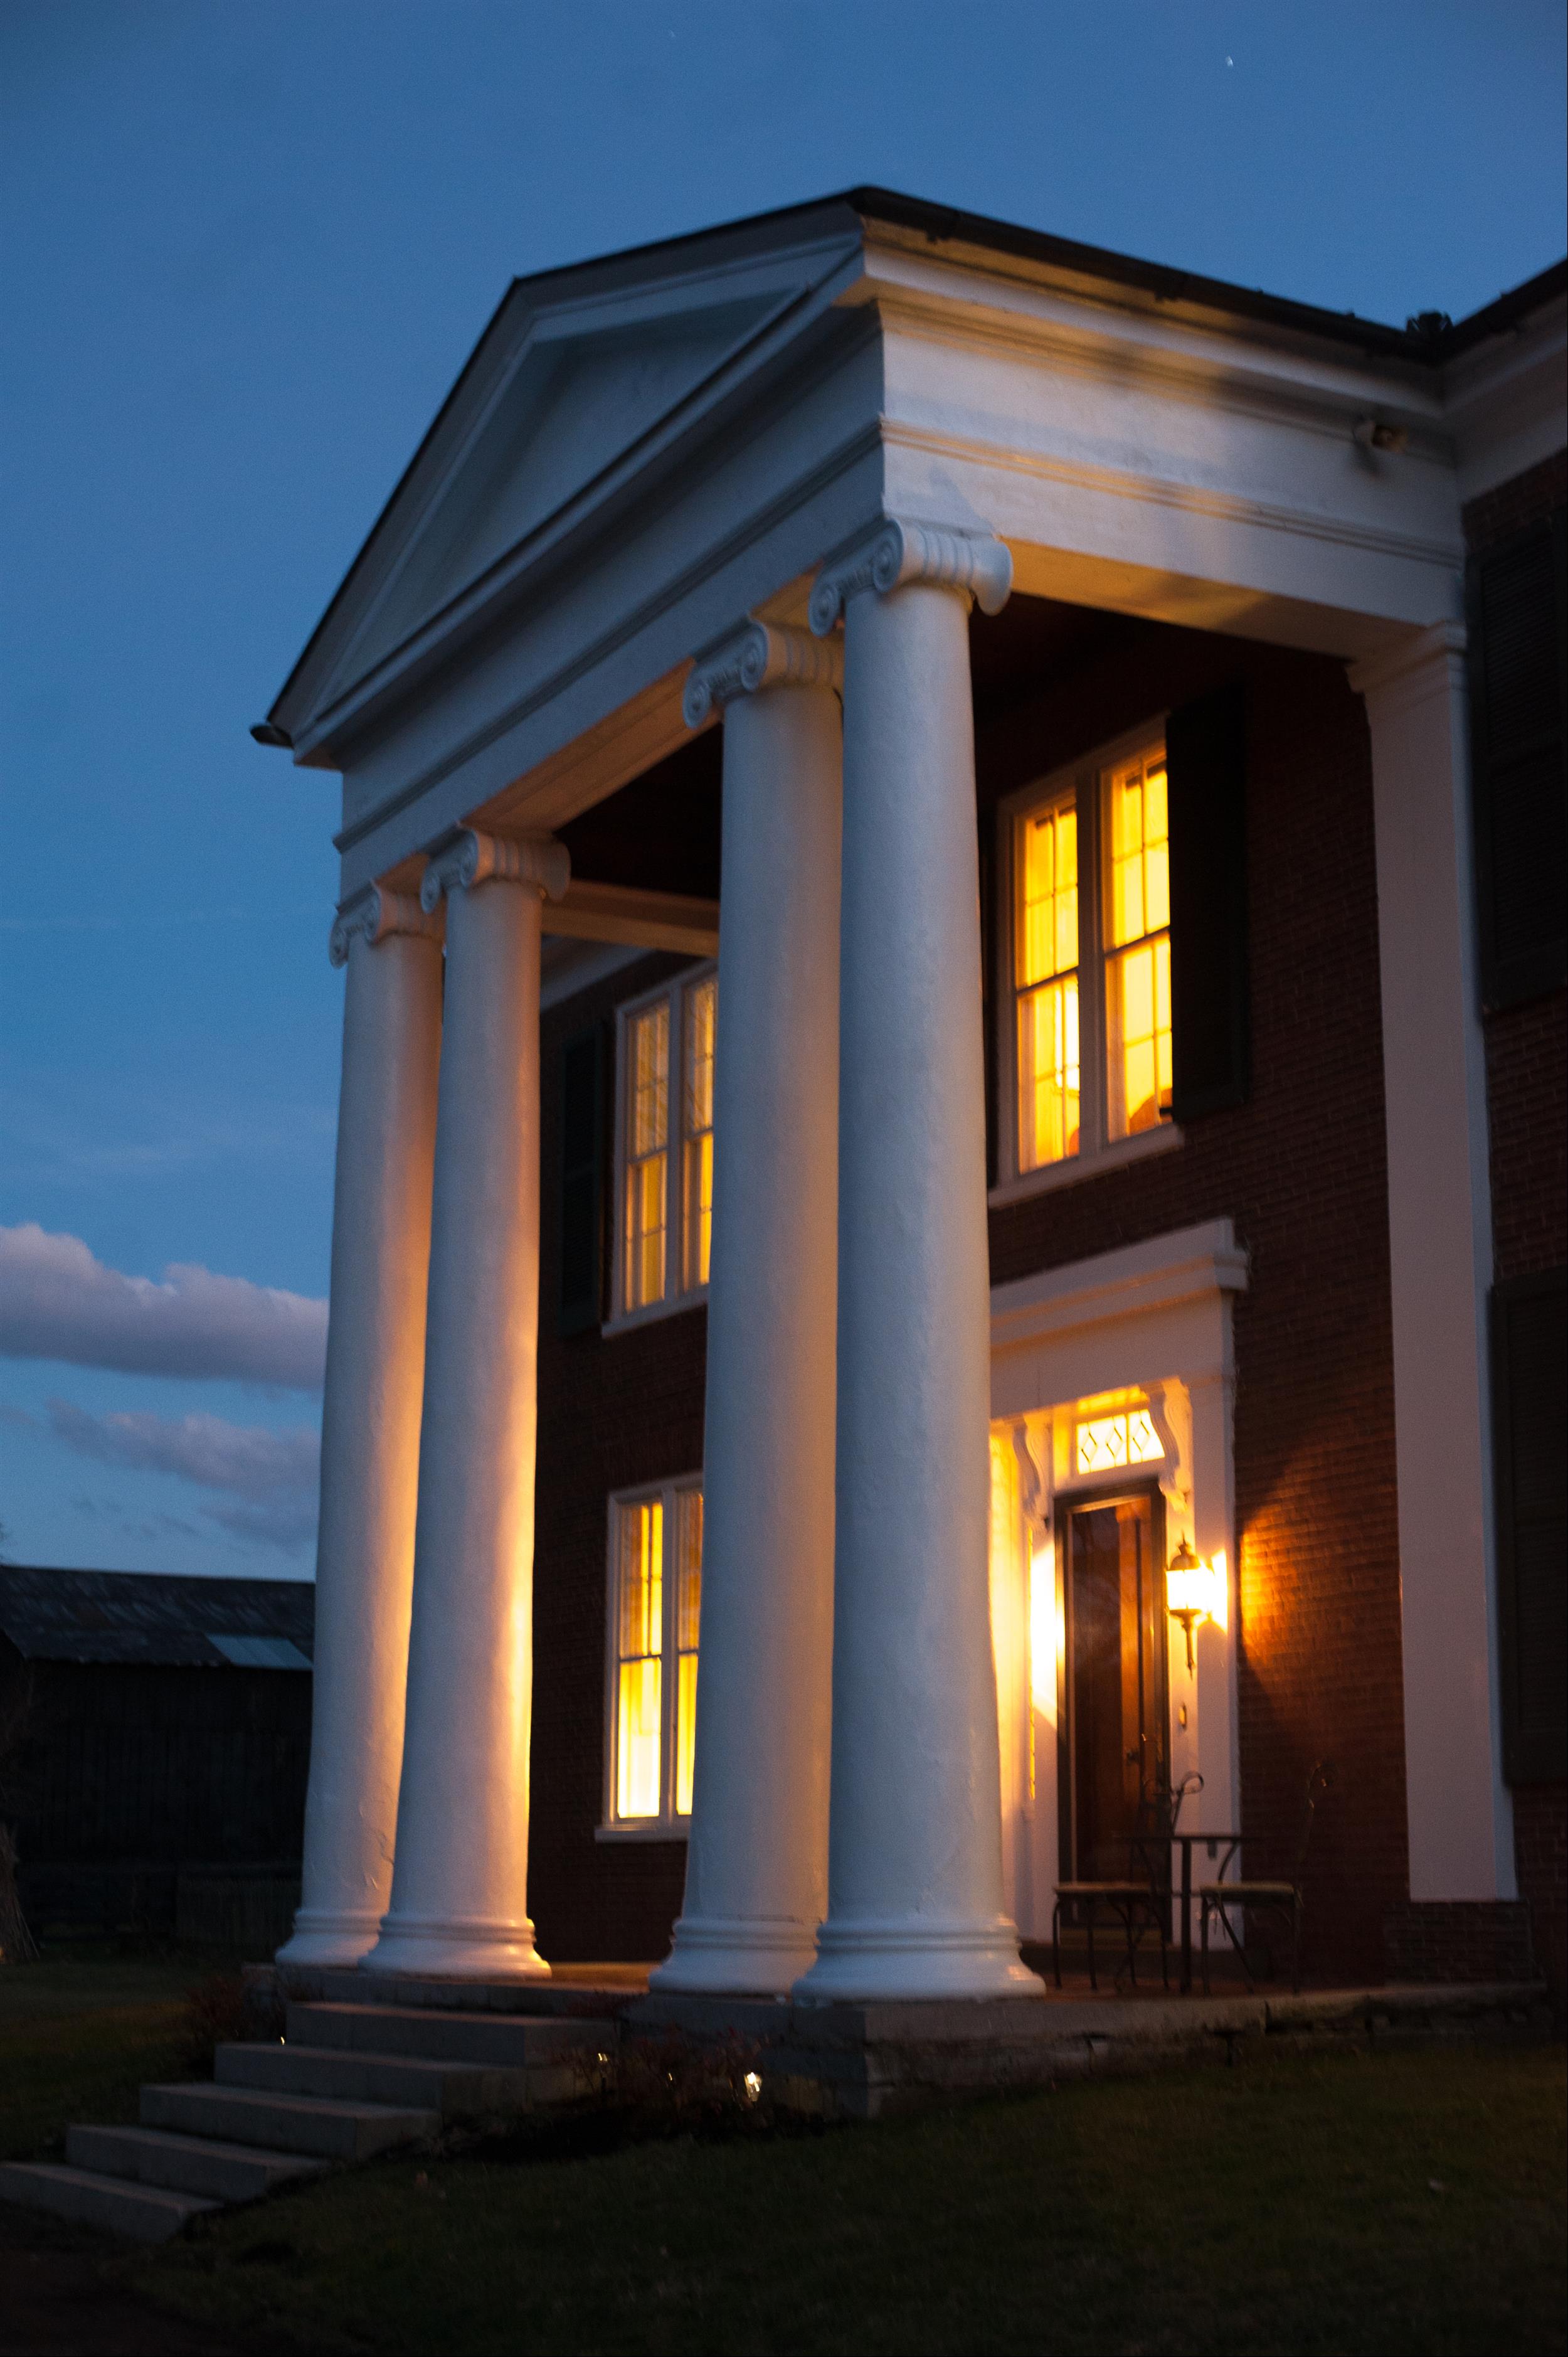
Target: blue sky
x,y
244,249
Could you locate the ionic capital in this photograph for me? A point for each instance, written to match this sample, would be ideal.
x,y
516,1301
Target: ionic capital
x,y
972,564
758,655
376,914
470,859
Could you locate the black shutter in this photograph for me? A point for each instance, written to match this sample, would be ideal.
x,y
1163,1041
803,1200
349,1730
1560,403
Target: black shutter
x,y
1206,757
1529,1428
1519,733
582,1180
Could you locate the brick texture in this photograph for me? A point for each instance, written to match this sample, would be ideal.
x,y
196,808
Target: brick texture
x,y
1541,1847
1459,1939
1301,1170
1527,1101
612,1413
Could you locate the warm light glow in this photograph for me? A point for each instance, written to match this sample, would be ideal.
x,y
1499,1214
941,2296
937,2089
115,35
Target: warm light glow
x,y
1138,979
639,1718
647,1154
1046,936
688,1613
657,1618
697,1146
1103,1442
1043,1632
1195,1592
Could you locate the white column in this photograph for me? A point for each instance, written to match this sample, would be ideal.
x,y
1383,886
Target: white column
x,y
459,1895
756,1867
915,1846
370,1420
1440,1266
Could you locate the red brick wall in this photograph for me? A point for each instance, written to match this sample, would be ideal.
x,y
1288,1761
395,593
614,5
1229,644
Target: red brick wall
x,y
611,1414
1526,1097
1301,1170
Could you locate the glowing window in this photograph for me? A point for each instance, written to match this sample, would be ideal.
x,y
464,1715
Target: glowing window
x,y
697,1141
647,1154
1138,959
666,1145
1127,1437
656,1613
1045,936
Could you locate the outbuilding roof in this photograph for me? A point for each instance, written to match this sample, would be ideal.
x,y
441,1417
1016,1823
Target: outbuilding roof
x,y
157,1618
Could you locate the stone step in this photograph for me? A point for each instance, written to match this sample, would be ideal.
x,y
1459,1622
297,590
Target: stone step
x,y
502,2042
285,2123
185,2164
146,2214
455,2089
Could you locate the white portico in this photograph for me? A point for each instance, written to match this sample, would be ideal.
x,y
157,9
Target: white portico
x,y
759,480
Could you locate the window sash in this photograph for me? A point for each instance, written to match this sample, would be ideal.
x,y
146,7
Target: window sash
x,y
655,1613
664,1144
1138,947
1084,1049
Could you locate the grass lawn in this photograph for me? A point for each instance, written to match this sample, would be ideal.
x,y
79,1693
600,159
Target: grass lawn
x,y
1346,2202
1343,2201
79,2032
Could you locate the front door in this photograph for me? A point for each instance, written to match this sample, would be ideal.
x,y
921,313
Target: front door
x,y
1115,1718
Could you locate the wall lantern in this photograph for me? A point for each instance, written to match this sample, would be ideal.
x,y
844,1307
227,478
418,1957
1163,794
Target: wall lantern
x,y
1194,1592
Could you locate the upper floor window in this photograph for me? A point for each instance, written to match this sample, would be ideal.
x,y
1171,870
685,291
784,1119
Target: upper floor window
x,y
665,1144
656,1598
1087,1054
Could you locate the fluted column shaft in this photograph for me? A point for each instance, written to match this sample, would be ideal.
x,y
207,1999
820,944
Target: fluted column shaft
x,y
369,1423
460,1881
915,1851
756,1864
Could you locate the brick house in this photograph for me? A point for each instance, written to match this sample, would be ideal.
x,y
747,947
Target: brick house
x,y
1120,720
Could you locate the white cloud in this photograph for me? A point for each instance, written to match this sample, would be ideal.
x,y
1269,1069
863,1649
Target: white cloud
x,y
266,1480
56,1301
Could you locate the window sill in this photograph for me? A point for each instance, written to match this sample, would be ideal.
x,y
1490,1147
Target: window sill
x,y
627,1320
652,1829
1080,1166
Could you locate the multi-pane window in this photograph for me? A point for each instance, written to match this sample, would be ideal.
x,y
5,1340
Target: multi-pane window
x,y
1138,961
1046,932
697,1131
656,1600
665,1174
1086,963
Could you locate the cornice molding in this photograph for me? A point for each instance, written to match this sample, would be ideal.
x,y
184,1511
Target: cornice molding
x,y
1429,659
378,914
470,859
758,655
974,567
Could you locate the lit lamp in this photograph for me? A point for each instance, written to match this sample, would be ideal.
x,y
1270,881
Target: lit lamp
x,y
1190,1592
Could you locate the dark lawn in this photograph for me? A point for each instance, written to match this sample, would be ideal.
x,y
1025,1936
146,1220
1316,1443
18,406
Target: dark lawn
x,y
1400,2202
1342,2201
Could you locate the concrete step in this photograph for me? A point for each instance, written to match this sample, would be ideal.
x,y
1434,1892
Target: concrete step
x,y
455,2089
285,2123
500,2041
185,2164
147,2214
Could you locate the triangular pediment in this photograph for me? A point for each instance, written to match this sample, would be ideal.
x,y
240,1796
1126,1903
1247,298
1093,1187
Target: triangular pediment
x,y
573,406
578,385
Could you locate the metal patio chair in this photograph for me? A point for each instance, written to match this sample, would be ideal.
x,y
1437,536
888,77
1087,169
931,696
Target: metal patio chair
x,y
1139,1901
1258,1895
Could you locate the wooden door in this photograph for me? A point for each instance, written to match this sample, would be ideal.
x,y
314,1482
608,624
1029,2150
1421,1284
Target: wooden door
x,y
1116,1735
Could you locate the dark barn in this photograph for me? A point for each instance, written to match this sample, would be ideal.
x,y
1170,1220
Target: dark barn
x,y
158,1736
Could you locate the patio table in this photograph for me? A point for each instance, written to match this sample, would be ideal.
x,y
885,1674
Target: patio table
x,y
1186,1842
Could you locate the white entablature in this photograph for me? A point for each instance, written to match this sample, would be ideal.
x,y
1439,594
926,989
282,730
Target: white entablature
x,y
642,449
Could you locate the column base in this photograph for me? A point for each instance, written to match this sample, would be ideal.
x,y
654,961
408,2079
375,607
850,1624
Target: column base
x,y
725,1955
872,1958
429,1947
329,1935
